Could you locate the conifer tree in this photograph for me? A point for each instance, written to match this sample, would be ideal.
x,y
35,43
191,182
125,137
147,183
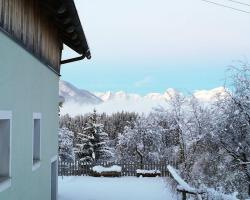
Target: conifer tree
x,y
65,145
93,143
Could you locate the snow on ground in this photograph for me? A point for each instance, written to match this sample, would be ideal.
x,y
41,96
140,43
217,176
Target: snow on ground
x,y
124,188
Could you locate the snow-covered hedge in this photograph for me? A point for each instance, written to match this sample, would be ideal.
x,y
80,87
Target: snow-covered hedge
x,y
112,171
101,169
147,173
143,171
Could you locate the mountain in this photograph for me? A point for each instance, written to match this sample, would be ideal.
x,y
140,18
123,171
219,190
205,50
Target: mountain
x,y
72,94
78,101
117,96
210,95
202,95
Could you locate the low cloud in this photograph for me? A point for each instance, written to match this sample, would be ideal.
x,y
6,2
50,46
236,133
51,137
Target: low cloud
x,y
109,107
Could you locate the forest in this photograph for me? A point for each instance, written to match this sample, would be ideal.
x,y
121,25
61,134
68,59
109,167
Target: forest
x,y
208,142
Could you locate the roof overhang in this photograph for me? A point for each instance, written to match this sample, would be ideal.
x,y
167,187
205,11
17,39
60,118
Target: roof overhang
x,y
65,16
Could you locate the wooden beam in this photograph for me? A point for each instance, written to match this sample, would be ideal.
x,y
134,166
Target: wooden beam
x,y
184,196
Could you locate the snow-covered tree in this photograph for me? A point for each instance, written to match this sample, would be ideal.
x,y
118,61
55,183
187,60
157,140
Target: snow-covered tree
x,y
65,144
102,149
233,121
93,143
84,148
141,141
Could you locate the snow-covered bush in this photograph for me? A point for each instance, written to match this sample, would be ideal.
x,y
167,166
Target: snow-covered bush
x,y
212,194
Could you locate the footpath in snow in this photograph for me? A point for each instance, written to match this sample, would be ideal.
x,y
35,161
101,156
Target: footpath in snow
x,y
124,188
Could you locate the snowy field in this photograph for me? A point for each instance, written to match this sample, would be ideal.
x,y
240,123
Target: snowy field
x,y
125,188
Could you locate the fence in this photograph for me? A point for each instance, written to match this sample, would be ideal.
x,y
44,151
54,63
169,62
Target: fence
x,y
78,168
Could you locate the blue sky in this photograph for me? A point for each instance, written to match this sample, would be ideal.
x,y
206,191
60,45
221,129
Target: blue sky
x,y
147,46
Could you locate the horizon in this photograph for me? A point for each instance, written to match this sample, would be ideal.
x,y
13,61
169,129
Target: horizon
x,y
186,93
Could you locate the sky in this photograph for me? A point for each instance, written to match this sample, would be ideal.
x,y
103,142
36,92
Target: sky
x,y
148,46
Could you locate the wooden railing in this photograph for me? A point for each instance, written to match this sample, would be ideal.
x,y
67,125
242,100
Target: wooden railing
x,y
182,186
78,168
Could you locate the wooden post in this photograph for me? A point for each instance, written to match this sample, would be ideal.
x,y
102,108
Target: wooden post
x,y
184,195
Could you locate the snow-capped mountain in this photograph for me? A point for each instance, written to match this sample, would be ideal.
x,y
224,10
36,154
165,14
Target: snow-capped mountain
x,y
78,101
72,94
162,97
121,95
202,95
209,95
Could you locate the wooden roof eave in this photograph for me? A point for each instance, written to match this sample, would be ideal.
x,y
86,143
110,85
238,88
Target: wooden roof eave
x,y
66,19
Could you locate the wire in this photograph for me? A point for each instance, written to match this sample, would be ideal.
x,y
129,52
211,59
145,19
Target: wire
x,y
242,3
225,6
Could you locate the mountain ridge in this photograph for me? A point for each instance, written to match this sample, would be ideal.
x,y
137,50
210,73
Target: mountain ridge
x,y
203,95
73,94
78,101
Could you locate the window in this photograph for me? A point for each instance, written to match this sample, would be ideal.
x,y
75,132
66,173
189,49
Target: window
x,y
36,140
5,149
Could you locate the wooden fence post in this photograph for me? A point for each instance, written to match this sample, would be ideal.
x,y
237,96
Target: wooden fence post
x,y
184,195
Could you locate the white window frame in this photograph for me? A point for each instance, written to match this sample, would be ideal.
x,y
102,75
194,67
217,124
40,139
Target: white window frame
x,y
37,164
7,115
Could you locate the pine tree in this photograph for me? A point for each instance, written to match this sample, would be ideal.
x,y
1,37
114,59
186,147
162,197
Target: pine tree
x,y
103,151
84,150
66,145
93,143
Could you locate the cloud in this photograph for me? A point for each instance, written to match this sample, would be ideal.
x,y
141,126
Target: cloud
x,y
144,82
142,106
79,102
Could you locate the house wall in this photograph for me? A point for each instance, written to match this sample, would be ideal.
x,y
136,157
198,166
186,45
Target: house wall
x,y
27,86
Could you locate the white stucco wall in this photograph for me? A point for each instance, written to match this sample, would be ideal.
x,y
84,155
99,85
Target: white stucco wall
x,y
27,86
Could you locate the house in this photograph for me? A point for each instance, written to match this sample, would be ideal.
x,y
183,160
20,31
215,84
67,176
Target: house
x,y
32,34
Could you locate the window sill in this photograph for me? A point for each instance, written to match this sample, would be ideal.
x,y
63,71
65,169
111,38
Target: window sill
x,y
5,183
36,165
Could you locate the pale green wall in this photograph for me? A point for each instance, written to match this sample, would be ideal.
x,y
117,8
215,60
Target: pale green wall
x,y
28,86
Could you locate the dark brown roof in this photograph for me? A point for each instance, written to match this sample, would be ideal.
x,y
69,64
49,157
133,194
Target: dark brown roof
x,y
66,18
